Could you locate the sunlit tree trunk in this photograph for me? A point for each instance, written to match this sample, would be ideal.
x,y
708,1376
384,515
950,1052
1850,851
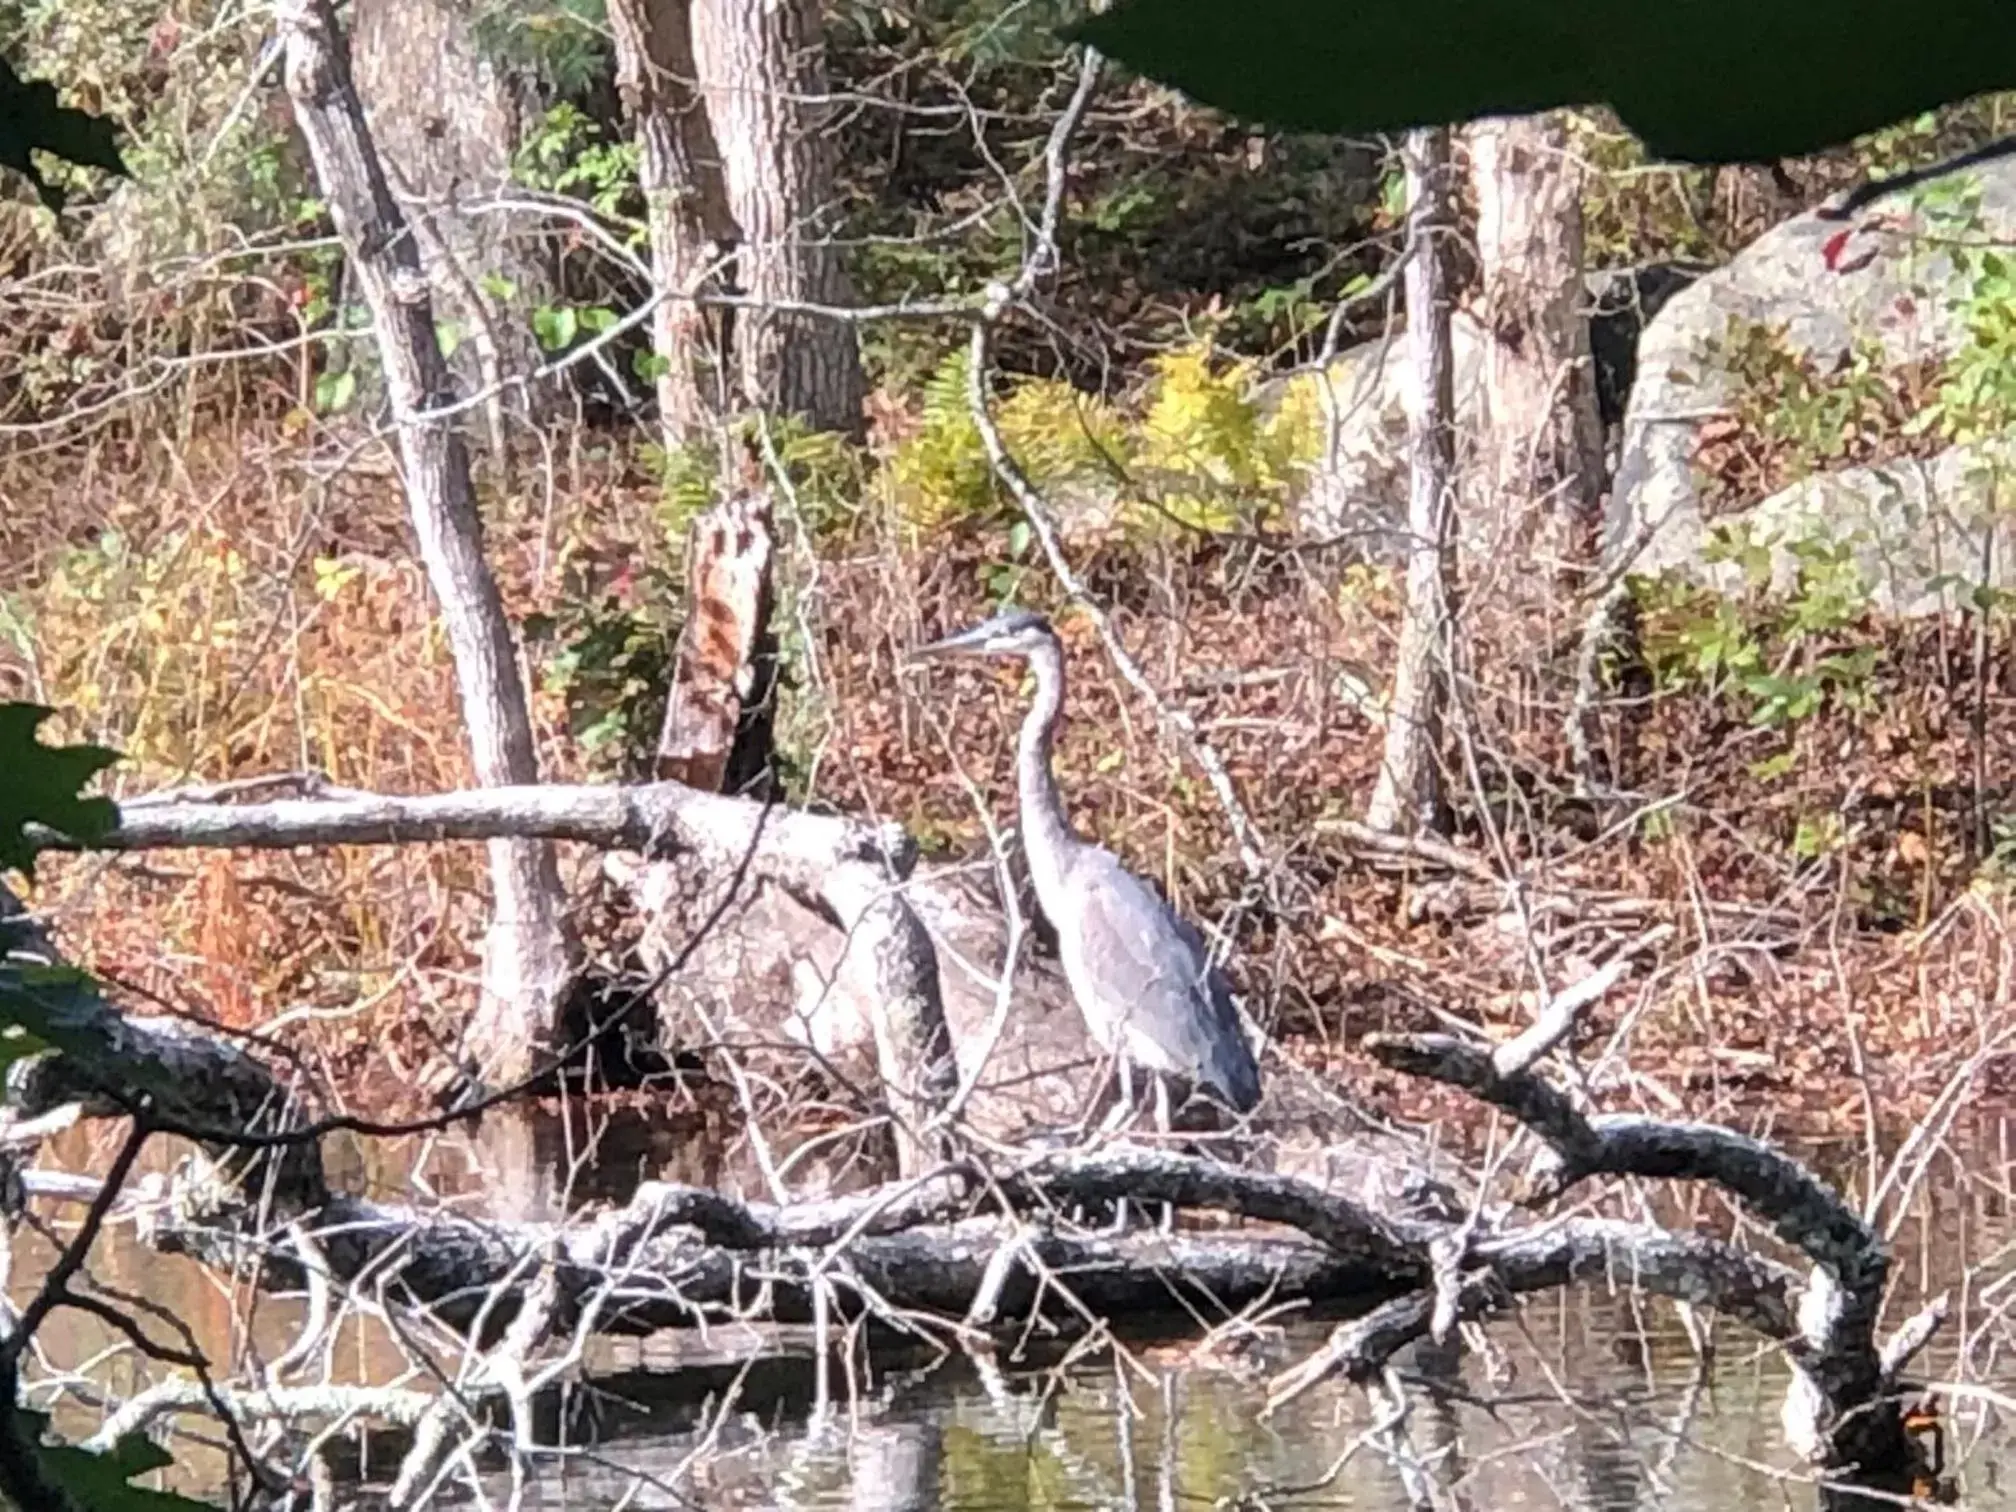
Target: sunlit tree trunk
x,y
763,75
1408,795
527,958
679,168
447,122
1540,453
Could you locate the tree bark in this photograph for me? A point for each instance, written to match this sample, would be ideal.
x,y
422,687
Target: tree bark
x,y
718,676
1540,459
686,199
762,71
1842,1409
1408,795
450,120
798,849
528,959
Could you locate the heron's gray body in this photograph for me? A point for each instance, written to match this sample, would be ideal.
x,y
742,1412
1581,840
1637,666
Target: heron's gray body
x,y
1146,984
1140,972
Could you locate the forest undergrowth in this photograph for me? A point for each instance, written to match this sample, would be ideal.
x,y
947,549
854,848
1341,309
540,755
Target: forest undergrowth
x,y
1813,852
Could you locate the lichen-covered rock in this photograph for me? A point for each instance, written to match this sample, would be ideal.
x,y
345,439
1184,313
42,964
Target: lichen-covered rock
x,y
1828,287
1922,534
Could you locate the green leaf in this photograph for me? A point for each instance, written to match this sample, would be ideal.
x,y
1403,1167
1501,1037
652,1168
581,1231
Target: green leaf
x,y
99,1482
1707,81
556,326
1771,768
59,1008
39,784
32,121
334,391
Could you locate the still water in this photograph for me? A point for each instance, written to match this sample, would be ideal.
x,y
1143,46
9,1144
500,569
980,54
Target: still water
x,y
1585,1399
1639,1428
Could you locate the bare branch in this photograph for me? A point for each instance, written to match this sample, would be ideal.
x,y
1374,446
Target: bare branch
x,y
1557,1020
386,1404
1704,1272
1803,1210
655,818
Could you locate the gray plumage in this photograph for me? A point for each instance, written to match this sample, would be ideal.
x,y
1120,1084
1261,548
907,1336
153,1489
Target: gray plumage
x,y
1140,972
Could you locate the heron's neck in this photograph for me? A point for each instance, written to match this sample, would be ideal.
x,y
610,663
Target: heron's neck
x,y
1046,833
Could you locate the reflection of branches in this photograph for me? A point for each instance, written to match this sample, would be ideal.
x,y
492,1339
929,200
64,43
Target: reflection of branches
x,y
22,1477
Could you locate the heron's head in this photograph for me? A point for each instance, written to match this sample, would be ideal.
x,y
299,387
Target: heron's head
x,y
1015,632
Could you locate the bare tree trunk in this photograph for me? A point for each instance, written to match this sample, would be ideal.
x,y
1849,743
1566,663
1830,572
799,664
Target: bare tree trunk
x,y
763,73
447,122
1408,795
1541,454
679,168
527,957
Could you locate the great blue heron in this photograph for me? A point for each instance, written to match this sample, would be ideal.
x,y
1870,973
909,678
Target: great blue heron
x,y
1142,977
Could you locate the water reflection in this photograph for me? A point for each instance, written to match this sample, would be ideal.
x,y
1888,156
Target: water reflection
x,y
1588,1400
1570,1424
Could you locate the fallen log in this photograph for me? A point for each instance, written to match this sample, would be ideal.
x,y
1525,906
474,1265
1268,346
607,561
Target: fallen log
x,y
932,1252
106,1065
850,870
659,819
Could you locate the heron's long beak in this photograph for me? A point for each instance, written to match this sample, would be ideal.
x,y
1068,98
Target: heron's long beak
x,y
965,643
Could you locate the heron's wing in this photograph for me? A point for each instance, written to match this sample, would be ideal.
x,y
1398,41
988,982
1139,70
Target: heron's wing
x,y
1148,967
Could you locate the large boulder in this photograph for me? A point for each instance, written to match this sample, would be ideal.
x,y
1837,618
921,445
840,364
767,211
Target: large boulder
x,y
1363,495
1911,523
776,982
1920,533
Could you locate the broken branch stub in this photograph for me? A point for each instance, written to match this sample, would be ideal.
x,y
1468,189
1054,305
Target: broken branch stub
x,y
714,670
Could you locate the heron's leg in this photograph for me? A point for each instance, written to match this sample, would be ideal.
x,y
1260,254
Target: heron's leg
x,y
1164,1125
1125,1116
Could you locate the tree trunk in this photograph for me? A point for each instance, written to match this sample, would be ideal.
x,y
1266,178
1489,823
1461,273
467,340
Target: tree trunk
x,y
447,122
1540,460
1408,796
679,169
527,957
763,74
